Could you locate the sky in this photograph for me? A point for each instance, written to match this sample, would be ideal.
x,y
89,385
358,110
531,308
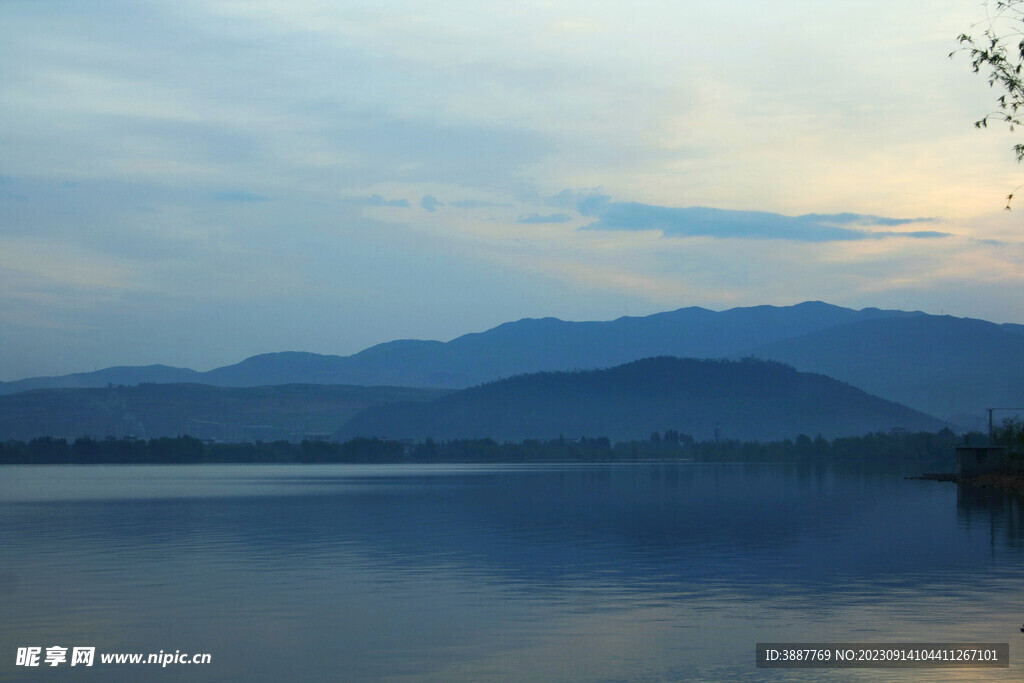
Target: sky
x,y
192,183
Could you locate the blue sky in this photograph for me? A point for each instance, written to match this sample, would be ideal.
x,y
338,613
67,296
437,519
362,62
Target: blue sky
x,y
191,183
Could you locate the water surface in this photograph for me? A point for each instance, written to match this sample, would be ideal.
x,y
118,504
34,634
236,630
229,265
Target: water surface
x,y
646,571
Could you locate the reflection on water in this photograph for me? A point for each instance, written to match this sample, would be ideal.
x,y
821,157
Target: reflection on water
x,y
999,510
574,572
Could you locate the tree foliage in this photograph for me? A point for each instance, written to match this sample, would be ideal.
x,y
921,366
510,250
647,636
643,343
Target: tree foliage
x,y
999,53
920,452
1011,435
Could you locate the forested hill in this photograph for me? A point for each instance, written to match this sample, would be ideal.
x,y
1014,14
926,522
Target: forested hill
x,y
748,400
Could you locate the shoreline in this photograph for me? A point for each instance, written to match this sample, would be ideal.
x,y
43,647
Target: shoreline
x,y
1007,481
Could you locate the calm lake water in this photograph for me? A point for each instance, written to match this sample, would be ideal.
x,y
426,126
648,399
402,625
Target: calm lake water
x,y
587,572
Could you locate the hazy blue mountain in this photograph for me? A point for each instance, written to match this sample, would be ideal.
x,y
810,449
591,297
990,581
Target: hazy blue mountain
x,y
382,365
527,345
946,366
942,365
127,375
749,400
228,414
532,345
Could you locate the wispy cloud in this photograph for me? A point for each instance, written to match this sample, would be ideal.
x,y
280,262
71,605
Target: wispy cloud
x,y
473,204
726,224
535,218
861,219
376,200
238,196
430,203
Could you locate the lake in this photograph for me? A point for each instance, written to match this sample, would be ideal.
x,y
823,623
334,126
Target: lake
x,y
576,572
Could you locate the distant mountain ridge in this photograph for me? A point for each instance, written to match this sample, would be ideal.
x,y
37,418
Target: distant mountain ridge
x,y
121,374
805,335
938,364
527,345
267,413
747,400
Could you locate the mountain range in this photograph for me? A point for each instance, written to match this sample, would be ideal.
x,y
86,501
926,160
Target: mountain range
x,y
269,413
945,366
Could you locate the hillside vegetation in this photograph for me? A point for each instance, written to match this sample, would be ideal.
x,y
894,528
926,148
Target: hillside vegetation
x,y
748,400
289,412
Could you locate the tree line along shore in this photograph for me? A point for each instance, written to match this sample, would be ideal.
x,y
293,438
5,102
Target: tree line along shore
x,y
928,450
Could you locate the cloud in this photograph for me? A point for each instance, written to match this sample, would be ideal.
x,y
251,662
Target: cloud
x,y
726,224
376,200
381,148
537,218
430,203
190,168
238,196
862,219
472,204
919,234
